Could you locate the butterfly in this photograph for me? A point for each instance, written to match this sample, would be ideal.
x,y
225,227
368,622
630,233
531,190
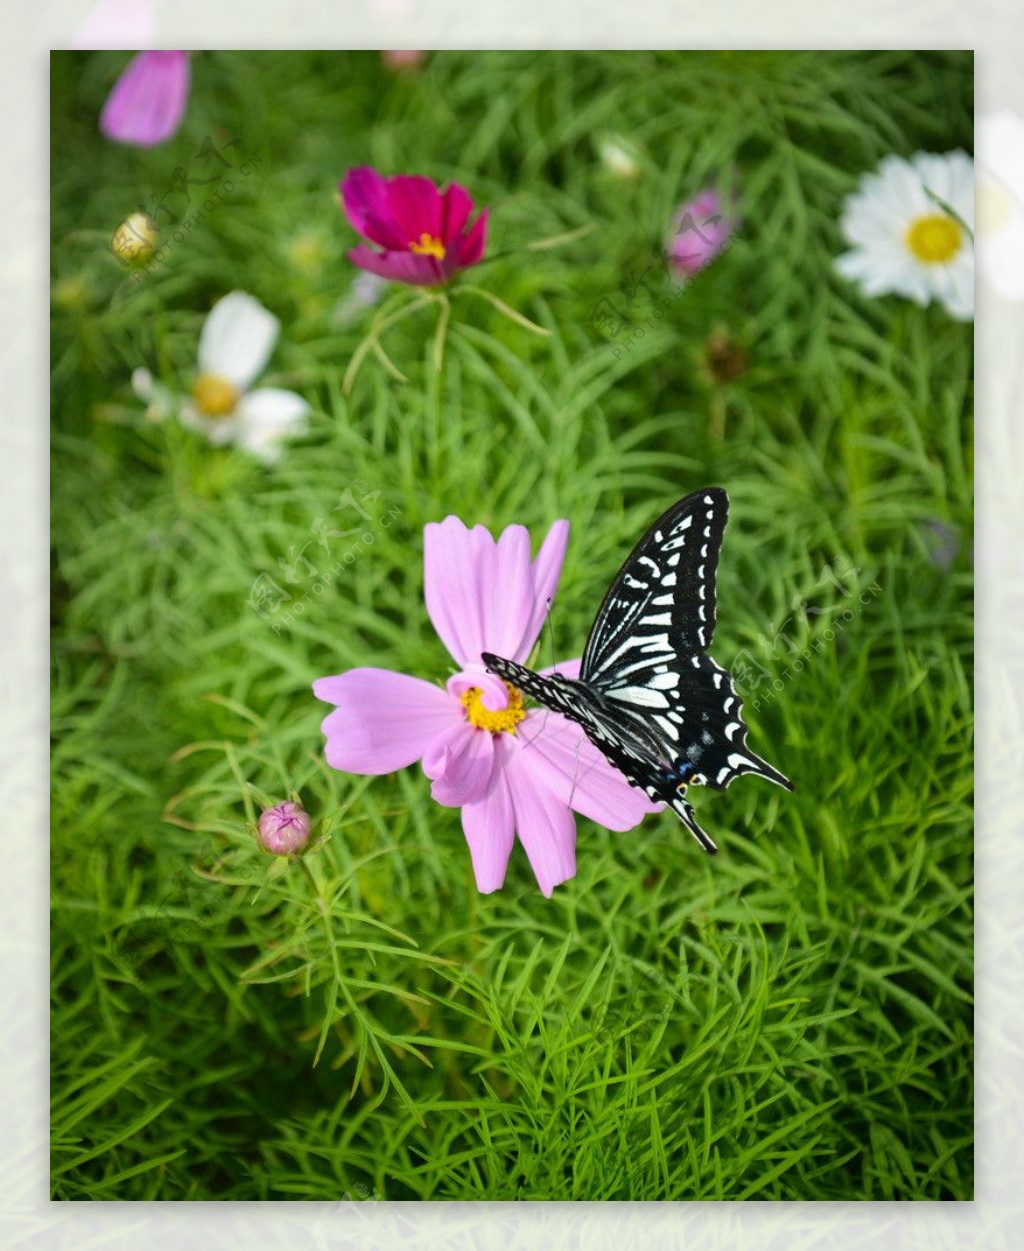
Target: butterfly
x,y
648,696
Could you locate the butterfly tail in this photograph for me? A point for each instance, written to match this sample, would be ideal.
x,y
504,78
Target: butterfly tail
x,y
685,813
761,768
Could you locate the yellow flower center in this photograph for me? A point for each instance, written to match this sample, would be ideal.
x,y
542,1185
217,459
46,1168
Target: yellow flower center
x,y
483,718
935,238
214,395
429,245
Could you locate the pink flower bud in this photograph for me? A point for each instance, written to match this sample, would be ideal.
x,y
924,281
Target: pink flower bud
x,y
284,830
700,229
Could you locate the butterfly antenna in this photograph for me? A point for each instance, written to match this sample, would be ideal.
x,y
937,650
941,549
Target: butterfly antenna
x,y
551,631
551,644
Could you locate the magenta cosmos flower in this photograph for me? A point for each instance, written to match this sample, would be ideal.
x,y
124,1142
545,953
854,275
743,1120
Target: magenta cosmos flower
x,y
700,230
512,770
148,100
422,230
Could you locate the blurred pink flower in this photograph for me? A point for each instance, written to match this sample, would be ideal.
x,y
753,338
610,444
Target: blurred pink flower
x,y
402,59
422,231
700,230
117,24
148,101
512,770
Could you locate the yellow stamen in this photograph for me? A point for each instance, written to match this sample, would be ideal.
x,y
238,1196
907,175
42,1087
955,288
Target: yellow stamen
x,y
429,245
214,395
935,238
483,718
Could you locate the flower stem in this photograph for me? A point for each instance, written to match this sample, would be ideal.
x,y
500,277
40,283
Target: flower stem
x,y
504,309
383,320
441,333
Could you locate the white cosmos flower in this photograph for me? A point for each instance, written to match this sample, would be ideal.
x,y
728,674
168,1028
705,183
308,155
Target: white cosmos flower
x,y
904,240
234,347
1000,157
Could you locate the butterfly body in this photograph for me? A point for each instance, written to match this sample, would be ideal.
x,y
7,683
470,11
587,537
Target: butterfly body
x,y
659,709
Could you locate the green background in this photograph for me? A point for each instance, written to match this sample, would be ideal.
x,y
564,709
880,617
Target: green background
x,y
791,1020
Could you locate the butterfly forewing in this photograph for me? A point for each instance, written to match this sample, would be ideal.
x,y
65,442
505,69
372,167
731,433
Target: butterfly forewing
x,y
662,603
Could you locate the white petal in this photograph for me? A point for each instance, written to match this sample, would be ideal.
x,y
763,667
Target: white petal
x,y
915,282
218,430
268,415
142,384
1001,260
237,339
999,139
159,400
959,294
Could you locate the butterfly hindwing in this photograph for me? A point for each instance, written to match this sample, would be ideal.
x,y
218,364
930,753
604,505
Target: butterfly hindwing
x,y
626,743
660,711
700,723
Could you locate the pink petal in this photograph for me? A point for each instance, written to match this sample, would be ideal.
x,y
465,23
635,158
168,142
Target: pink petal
x,y
493,692
483,595
127,24
560,759
452,560
470,248
545,826
505,577
415,206
148,101
565,668
459,763
456,206
364,194
547,569
489,826
383,721
418,271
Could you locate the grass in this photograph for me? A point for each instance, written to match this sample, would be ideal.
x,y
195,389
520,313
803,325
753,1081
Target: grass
x,y
791,1020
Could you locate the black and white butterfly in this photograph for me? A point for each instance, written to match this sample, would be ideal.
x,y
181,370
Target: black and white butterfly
x,y
659,709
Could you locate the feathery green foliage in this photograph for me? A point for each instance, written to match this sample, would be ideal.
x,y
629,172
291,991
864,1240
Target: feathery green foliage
x,y
791,1020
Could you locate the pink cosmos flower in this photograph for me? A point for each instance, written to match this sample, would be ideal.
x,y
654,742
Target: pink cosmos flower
x,y
422,230
700,230
512,770
402,60
148,101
